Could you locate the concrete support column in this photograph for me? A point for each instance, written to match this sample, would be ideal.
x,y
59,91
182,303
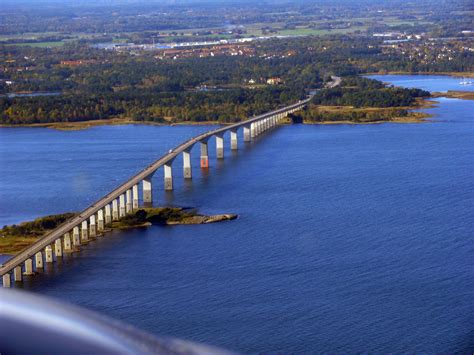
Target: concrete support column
x,y
187,170
246,134
58,248
115,210
76,239
122,212
129,205
100,220
253,130
233,140
92,227
135,197
17,276
204,155
28,267
39,260
67,243
168,170
108,214
147,192
220,146
6,281
48,254
84,232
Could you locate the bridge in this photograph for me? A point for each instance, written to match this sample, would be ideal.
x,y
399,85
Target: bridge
x,y
123,200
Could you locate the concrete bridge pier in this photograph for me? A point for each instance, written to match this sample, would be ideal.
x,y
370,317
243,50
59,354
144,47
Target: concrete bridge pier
x,y
115,210
67,243
84,232
100,220
135,197
108,214
187,169
233,139
58,248
17,275
122,211
246,134
39,260
253,130
168,170
92,227
48,254
6,280
129,202
147,192
76,239
220,146
204,155
28,267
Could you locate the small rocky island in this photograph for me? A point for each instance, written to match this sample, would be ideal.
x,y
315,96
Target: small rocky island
x,y
14,238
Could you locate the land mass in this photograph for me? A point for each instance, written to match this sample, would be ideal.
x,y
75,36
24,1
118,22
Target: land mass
x,y
321,114
15,238
464,95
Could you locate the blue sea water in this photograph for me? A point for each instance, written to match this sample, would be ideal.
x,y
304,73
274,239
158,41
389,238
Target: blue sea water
x,y
351,238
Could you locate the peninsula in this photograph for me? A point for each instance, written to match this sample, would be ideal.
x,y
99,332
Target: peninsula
x,y
15,238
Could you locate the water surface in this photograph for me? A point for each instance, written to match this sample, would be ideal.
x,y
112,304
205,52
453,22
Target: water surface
x,y
351,238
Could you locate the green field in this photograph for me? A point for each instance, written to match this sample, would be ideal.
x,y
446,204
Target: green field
x,y
38,44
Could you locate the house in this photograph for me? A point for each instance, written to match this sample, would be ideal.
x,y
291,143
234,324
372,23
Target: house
x,y
274,81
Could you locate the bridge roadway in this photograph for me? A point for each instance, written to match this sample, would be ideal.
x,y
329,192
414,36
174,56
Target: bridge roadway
x,y
67,226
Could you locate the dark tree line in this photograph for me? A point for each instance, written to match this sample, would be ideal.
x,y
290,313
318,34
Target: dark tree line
x,y
362,92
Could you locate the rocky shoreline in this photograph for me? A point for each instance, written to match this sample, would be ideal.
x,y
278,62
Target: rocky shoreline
x,y
15,238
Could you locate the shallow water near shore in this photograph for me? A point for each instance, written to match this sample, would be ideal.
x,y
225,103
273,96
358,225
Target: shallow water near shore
x,y
350,238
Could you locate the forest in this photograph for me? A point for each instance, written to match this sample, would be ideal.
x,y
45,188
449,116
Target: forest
x,y
104,84
363,92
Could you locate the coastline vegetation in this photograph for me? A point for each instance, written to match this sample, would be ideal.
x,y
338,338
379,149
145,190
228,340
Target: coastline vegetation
x,y
15,238
362,100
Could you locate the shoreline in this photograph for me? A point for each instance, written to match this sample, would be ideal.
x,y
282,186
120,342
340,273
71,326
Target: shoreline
x,y
82,125
454,94
414,115
13,242
400,120
456,74
429,102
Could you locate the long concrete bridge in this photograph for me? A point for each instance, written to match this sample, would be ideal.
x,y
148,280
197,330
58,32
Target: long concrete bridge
x,y
123,200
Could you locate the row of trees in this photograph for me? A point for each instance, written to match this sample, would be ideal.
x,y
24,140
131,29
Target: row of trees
x,y
362,92
224,106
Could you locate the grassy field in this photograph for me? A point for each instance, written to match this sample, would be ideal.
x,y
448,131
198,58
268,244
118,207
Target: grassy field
x,y
316,32
38,44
